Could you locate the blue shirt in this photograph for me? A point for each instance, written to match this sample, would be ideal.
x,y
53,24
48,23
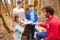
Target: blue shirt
x,y
32,15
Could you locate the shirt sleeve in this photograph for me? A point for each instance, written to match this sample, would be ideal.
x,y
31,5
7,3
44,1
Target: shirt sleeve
x,y
36,17
23,15
14,11
43,25
27,16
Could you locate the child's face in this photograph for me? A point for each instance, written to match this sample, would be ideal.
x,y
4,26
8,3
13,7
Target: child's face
x,y
18,19
20,5
31,8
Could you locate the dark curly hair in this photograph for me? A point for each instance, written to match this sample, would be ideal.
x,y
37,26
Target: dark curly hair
x,y
48,9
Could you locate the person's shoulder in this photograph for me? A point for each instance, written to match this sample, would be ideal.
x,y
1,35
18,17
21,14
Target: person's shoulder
x,y
14,9
54,20
35,11
21,10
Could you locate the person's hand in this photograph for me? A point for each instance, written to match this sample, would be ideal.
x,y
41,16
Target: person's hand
x,y
37,23
22,25
28,22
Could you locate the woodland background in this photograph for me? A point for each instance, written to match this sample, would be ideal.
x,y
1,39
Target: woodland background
x,y
6,7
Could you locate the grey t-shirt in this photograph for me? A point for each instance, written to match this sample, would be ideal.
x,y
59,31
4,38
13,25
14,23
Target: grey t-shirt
x,y
20,12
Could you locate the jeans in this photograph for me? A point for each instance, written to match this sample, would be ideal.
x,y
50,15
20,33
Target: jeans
x,y
41,35
30,30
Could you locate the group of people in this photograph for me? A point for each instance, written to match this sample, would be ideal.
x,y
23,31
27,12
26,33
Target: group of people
x,y
52,24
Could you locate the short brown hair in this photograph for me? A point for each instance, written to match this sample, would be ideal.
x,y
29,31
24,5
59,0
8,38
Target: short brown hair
x,y
31,5
18,2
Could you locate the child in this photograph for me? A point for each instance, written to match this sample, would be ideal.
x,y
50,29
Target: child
x,y
31,16
18,30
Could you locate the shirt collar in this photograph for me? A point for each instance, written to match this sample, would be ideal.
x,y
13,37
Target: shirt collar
x,y
49,18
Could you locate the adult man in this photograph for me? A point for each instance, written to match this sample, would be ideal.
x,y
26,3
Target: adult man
x,y
52,25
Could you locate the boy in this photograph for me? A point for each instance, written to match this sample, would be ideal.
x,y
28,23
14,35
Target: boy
x,y
31,16
19,10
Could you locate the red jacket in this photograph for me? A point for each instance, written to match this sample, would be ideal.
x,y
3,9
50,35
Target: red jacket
x,y
52,28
